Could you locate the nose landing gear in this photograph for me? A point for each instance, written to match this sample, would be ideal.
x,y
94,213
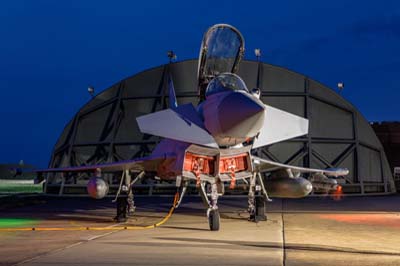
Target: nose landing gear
x,y
211,205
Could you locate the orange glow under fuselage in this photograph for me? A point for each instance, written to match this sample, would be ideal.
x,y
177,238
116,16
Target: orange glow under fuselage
x,y
207,164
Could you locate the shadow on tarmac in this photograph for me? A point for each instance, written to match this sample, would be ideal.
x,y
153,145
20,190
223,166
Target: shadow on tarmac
x,y
287,246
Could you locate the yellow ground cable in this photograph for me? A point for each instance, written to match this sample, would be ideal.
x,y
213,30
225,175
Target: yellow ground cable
x,y
135,227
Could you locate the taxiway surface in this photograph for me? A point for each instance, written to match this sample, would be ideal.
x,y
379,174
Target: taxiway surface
x,y
311,231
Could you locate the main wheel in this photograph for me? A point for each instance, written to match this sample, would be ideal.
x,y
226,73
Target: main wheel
x,y
213,220
122,206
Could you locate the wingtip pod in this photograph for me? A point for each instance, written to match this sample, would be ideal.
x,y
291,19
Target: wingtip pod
x,y
279,126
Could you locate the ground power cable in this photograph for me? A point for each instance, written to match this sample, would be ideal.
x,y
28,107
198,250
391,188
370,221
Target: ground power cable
x,y
82,228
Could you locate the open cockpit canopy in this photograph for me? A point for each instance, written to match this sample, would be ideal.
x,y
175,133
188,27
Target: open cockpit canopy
x,y
221,51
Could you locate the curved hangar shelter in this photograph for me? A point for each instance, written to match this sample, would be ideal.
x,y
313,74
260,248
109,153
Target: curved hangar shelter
x,y
105,129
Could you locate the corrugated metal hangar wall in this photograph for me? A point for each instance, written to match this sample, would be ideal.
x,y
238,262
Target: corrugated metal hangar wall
x,y
105,129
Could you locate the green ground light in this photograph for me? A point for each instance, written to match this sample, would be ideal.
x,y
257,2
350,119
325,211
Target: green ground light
x,y
9,187
17,222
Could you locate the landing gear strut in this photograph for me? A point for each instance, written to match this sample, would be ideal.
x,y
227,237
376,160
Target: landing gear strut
x,y
125,198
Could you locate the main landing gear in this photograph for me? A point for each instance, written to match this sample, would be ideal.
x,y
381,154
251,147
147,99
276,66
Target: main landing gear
x,y
125,198
256,198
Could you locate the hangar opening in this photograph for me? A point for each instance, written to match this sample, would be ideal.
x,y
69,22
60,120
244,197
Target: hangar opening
x,y
105,129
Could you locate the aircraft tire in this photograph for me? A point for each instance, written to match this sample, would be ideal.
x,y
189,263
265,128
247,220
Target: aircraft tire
x,y
213,220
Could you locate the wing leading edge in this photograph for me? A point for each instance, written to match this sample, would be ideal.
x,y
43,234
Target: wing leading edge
x,y
264,165
147,164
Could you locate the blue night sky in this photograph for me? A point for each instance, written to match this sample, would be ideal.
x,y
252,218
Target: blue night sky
x,y
50,51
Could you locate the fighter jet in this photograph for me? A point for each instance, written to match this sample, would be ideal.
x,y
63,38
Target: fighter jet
x,y
211,144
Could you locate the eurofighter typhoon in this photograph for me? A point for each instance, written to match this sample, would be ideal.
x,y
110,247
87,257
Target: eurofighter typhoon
x,y
211,144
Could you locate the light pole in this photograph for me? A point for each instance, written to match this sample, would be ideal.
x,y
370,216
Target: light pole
x,y
257,53
91,91
171,55
340,87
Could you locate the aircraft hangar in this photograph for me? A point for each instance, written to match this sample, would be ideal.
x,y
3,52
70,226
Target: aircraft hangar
x,y
105,129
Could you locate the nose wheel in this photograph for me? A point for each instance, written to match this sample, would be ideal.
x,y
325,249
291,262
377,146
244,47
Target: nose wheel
x,y
213,219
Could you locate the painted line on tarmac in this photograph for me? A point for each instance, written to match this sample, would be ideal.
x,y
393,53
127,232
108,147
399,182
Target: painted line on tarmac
x,y
283,235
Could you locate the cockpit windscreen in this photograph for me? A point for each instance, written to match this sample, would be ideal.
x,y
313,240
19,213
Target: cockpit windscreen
x,y
225,82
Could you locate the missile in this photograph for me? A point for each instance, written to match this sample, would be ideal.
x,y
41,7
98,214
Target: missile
x,y
322,183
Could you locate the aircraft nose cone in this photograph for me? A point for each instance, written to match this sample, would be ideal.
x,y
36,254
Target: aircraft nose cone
x,y
307,188
240,115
